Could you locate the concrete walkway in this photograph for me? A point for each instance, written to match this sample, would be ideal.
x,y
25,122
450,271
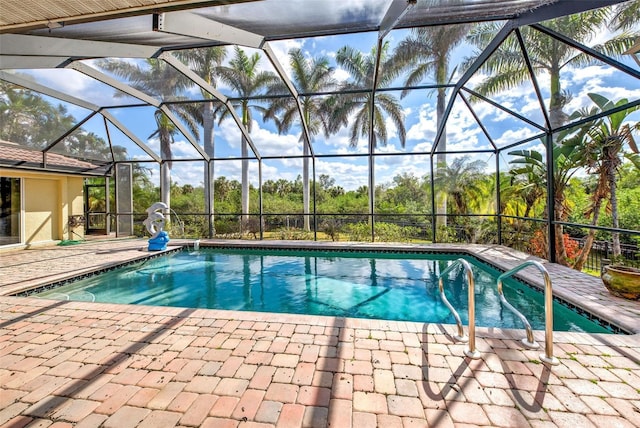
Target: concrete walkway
x,y
93,364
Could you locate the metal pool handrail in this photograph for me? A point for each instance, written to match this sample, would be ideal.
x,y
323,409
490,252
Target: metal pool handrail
x,y
529,341
471,351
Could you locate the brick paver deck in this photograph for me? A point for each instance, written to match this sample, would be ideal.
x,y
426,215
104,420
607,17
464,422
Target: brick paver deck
x,y
105,365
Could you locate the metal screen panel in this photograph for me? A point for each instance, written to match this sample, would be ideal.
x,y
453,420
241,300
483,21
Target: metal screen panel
x,y
124,199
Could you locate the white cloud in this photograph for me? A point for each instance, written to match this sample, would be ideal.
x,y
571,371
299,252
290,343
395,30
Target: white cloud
x,y
426,127
341,75
267,143
511,136
348,173
462,129
575,76
78,85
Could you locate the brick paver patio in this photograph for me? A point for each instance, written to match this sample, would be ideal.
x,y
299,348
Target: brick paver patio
x,y
80,364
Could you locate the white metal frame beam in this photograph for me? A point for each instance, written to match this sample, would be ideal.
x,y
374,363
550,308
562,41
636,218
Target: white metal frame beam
x,y
25,45
115,122
396,11
95,74
178,65
110,81
193,25
34,86
31,85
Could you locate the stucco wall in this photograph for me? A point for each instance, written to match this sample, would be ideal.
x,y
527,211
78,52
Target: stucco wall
x,y
48,201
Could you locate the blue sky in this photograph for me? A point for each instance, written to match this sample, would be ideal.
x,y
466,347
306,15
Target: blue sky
x,y
463,134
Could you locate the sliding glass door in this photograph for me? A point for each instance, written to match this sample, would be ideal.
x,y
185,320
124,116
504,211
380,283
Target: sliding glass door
x,y
9,210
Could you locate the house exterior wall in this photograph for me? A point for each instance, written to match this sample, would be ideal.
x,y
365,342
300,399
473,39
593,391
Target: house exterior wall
x,y
47,202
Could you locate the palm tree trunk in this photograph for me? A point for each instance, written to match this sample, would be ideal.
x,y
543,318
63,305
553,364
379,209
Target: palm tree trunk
x,y
305,187
165,173
615,222
245,181
561,251
588,243
557,117
209,149
441,159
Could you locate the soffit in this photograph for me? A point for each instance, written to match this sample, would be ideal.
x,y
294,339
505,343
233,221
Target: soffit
x,y
25,14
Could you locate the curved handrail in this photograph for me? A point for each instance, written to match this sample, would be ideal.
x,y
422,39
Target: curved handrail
x,y
529,341
471,352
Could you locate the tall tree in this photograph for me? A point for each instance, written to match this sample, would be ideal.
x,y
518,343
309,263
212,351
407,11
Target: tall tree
x,y
355,107
245,77
507,69
427,52
463,182
603,151
29,119
309,76
527,181
356,102
158,79
567,159
206,62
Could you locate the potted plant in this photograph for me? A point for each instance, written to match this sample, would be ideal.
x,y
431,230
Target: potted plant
x,y
622,277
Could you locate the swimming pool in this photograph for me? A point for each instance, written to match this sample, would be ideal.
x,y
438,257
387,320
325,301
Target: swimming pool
x,y
381,285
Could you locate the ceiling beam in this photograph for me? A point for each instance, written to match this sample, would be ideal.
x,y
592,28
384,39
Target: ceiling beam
x,y
25,45
172,117
187,72
561,8
17,62
123,87
99,11
191,24
397,10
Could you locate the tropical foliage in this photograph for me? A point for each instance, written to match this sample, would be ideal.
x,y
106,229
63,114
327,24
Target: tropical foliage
x,y
244,76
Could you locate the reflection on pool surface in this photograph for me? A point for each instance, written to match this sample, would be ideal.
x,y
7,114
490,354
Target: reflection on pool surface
x,y
391,286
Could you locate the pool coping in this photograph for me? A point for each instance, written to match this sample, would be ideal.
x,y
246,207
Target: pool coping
x,y
575,288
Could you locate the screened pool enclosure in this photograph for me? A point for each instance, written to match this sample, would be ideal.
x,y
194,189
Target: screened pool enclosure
x,y
509,122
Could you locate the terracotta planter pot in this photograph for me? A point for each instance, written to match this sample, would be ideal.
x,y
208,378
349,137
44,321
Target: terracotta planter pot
x,y
622,281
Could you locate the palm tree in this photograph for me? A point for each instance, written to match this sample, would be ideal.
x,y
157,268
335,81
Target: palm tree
x,y
427,51
358,102
463,182
626,15
527,179
567,158
206,62
159,80
354,101
309,76
27,118
243,75
507,69
603,151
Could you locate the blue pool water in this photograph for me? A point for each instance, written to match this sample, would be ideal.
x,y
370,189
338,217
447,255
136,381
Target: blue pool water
x,y
389,286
